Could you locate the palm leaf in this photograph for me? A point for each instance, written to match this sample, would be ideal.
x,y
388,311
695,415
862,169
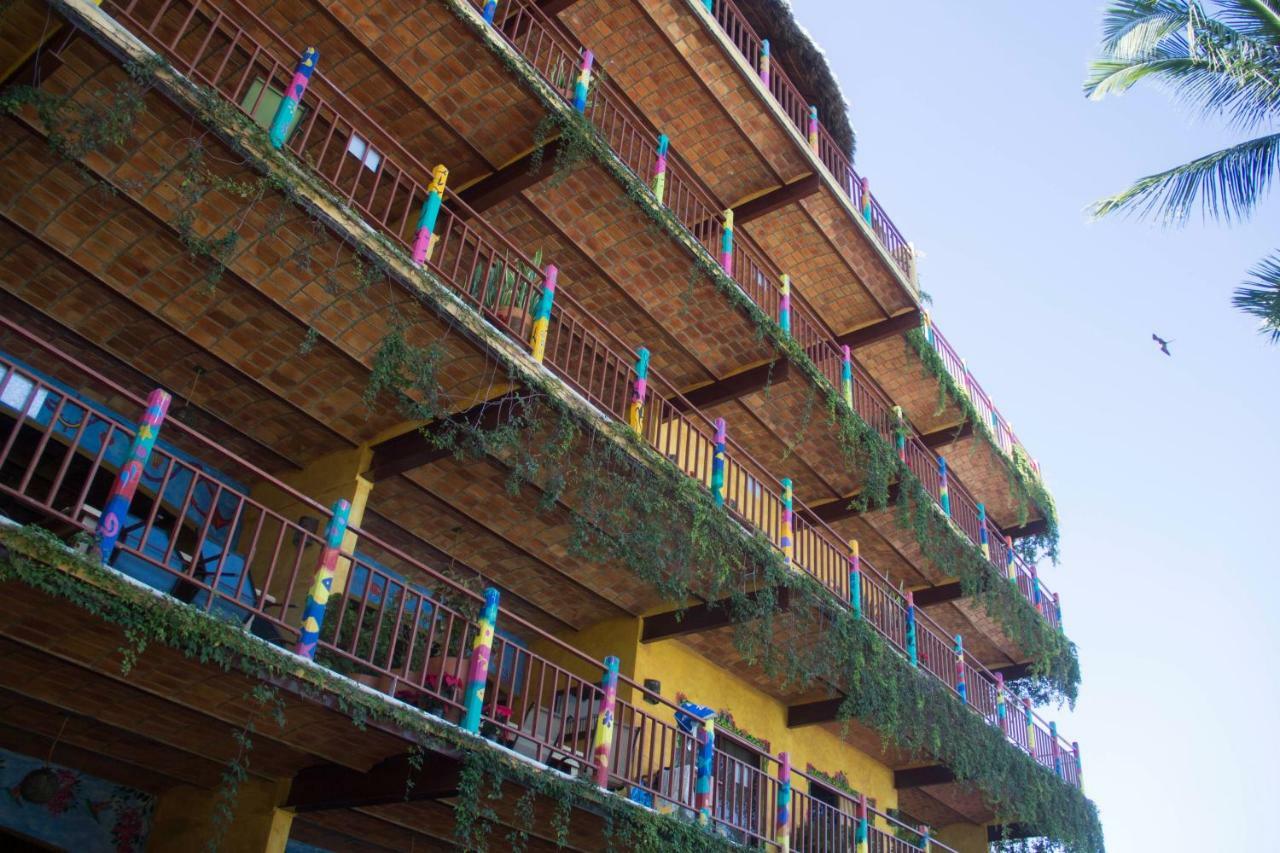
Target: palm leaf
x,y
1260,296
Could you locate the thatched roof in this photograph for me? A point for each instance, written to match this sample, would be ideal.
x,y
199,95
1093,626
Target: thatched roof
x,y
804,63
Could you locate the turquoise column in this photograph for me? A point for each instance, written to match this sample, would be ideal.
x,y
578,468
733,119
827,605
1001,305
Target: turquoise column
x,y
583,84
288,108
116,509
912,652
473,702
322,584
855,578
717,462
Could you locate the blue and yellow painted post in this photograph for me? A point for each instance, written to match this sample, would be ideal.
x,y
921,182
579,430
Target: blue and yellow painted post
x,y
846,375
582,85
322,583
1009,567
126,483
960,685
984,542
542,314
813,128
1031,728
866,201
490,7
784,304
288,108
764,62
726,245
635,411
783,834
605,722
659,183
855,578
861,834
473,701
944,493
704,765
1057,750
424,242
717,462
1036,597
913,653
1002,711
788,534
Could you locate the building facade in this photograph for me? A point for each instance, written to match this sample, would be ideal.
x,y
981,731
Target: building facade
x,y
460,424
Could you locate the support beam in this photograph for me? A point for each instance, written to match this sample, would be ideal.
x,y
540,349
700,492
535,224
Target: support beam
x,y
932,595
776,199
414,448
1031,528
699,618
328,786
736,386
813,713
840,509
898,325
919,777
511,180
943,437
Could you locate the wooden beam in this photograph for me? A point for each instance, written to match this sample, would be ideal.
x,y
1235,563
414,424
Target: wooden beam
x,y
841,509
897,325
918,777
511,180
328,786
813,713
943,437
776,199
699,618
736,386
1031,528
937,594
414,448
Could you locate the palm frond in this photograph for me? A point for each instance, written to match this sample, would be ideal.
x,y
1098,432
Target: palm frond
x,y
1257,18
1228,185
1260,296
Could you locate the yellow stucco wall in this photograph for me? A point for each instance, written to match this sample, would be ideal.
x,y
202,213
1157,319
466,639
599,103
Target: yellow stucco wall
x,y
964,837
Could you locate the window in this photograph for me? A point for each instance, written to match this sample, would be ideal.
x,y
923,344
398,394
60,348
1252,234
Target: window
x,y
265,111
16,390
738,793
363,151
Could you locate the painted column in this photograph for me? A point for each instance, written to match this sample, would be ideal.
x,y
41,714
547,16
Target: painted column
x,y
846,375
1057,611
717,462
813,128
322,584
783,834
726,245
855,578
1002,712
924,837
659,182
788,535
708,4
288,108
764,62
900,434
116,508
927,323
635,411
1036,597
1031,729
1057,750
583,84
425,240
542,314
490,8
1009,567
480,650
604,722
703,790
960,685
784,304
912,652
984,541
1075,751
860,835
866,200
944,494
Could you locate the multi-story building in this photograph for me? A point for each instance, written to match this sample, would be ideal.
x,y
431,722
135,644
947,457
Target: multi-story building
x,y
450,424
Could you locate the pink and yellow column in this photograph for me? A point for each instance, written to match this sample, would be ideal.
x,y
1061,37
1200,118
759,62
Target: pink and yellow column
x,y
635,411
659,182
481,649
582,85
960,685
764,62
288,109
542,314
126,483
605,722
424,241
322,583
726,245
1009,567
813,128
788,517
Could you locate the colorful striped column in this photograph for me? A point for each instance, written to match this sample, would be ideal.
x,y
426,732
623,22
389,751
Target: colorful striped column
x,y
1009,568
788,535
635,411
944,493
490,8
1057,750
604,722
912,652
861,833
866,200
717,462
855,578
927,325
784,304
783,833
708,4
322,583
984,541
425,239
1031,728
813,128
288,108
900,434
726,245
960,685
542,314
703,791
473,701
1057,611
659,182
1075,751
1036,597
923,829
846,375
764,62
126,483
583,84
1002,712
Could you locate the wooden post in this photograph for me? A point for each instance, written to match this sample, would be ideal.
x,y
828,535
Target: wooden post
x,y
944,494
1057,750
912,651
322,583
813,128
960,685
583,84
473,702
855,578
490,7
717,462
788,535
542,314
764,62
424,241
635,411
604,721
860,835
783,834
984,541
726,245
288,108
116,508
703,788
659,182
784,305
1009,568
1002,712
900,434
846,375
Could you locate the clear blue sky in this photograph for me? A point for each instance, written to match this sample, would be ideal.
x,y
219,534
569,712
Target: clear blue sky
x,y
977,140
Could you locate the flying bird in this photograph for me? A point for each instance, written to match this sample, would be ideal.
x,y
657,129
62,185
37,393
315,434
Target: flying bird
x,y
1164,345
